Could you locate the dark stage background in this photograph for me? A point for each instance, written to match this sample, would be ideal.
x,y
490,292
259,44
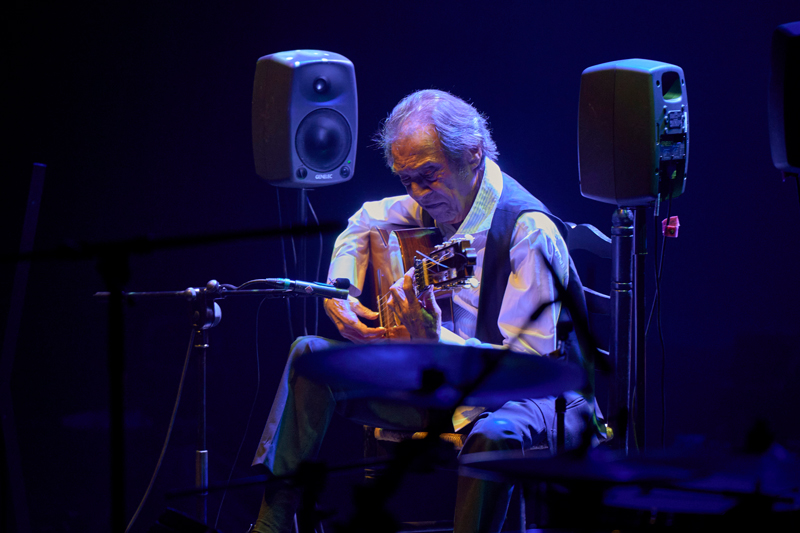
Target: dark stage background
x,y
142,114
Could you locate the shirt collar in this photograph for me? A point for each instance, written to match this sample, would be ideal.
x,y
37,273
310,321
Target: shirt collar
x,y
480,214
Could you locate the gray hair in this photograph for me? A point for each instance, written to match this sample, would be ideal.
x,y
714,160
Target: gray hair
x,y
461,128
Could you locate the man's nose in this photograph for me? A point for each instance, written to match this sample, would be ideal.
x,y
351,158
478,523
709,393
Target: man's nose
x,y
418,190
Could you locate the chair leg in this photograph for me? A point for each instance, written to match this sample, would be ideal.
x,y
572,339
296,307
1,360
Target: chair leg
x,y
317,529
561,410
538,492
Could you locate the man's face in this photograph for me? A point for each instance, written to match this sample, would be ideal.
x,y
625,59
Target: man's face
x,y
444,190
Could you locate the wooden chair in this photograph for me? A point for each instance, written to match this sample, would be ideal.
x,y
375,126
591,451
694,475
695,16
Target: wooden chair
x,y
593,252
587,238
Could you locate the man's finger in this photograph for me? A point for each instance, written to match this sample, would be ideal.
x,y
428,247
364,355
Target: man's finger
x,y
408,288
364,335
364,311
430,304
396,296
371,332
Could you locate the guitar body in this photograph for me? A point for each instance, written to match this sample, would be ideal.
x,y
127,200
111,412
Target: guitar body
x,y
392,250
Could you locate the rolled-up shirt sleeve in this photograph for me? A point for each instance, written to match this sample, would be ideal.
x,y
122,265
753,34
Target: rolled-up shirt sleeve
x,y
351,250
535,242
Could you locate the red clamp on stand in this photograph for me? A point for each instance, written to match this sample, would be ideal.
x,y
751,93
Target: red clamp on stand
x,y
670,227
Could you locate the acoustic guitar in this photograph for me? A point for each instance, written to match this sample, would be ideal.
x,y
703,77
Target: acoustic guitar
x,y
438,266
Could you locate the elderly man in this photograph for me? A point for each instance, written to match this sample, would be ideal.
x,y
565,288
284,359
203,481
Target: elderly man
x,y
441,150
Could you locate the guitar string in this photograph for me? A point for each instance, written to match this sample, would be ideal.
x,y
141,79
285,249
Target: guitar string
x,y
428,264
383,301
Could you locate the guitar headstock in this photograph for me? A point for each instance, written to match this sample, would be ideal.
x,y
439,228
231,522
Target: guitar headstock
x,y
450,264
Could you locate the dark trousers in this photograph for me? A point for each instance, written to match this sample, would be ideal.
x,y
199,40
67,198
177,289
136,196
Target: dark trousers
x,y
302,410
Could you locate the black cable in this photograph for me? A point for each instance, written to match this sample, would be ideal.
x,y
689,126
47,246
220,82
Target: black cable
x,y
661,336
249,417
655,268
660,264
319,267
301,268
285,267
169,434
655,299
663,374
656,306
656,302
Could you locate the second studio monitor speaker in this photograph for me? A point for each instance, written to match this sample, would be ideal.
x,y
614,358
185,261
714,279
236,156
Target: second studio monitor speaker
x,y
305,118
784,102
633,132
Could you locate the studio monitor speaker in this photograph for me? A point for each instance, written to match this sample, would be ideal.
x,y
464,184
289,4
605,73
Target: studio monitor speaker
x,y
305,118
784,98
633,132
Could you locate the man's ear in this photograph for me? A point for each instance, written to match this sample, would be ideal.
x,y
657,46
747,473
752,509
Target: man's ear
x,y
475,158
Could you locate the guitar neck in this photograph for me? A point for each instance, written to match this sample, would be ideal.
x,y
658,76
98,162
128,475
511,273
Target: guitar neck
x,y
448,266
385,317
392,251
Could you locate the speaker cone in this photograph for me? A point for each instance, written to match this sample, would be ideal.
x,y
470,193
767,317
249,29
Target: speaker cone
x,y
323,140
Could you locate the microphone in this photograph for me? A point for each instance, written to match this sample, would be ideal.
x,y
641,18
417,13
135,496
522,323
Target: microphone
x,y
309,288
340,283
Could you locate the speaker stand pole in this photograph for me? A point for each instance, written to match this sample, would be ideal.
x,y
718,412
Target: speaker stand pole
x,y
639,357
621,303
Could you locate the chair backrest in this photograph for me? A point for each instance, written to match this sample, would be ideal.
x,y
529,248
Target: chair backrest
x,y
591,253
587,245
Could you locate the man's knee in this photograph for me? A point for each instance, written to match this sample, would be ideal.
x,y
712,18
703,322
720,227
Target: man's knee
x,y
492,434
308,344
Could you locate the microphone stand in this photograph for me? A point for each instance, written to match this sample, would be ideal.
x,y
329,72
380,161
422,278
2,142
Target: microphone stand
x,y
206,314
113,266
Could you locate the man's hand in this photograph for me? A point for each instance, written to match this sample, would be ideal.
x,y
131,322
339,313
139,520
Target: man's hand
x,y
345,315
423,320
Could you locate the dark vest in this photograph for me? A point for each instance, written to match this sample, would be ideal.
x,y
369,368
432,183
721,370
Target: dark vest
x,y
578,348
514,200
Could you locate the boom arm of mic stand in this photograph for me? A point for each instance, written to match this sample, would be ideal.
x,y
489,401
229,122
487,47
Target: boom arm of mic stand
x,y
281,288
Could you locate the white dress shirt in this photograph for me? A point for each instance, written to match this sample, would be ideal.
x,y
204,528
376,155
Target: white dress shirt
x,y
535,241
